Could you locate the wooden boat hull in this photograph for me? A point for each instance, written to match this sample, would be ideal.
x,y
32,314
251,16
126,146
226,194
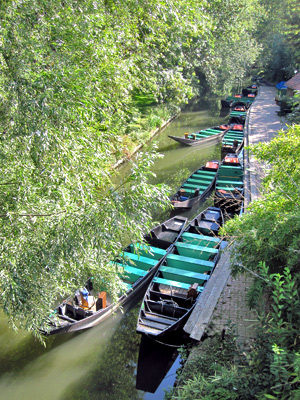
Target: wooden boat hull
x,y
181,278
70,317
188,141
233,141
196,188
229,189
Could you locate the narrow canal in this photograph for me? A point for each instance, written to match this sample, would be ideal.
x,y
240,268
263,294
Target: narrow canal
x,y
101,363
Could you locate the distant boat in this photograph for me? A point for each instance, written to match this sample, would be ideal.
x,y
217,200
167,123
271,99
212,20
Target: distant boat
x,y
136,264
229,191
204,136
231,101
180,279
196,188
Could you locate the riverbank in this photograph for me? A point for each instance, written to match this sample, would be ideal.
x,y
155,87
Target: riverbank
x,y
226,300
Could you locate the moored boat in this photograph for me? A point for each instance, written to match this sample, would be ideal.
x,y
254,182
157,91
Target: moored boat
x,y
250,91
229,190
204,136
237,99
233,140
136,265
197,187
181,278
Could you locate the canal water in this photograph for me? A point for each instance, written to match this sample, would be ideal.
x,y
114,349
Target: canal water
x,y
103,363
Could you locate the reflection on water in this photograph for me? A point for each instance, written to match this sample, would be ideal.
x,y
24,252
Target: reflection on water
x,y
101,363
155,361
95,364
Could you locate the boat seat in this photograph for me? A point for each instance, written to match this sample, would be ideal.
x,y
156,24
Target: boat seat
x,y
183,275
194,251
230,188
129,273
132,273
139,261
176,284
195,180
200,240
203,172
228,182
189,263
148,251
194,186
234,135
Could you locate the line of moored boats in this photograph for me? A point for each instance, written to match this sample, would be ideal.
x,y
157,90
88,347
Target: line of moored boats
x,y
174,262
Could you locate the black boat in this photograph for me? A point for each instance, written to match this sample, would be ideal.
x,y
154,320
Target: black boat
x,y
229,191
136,264
251,90
204,136
197,187
181,278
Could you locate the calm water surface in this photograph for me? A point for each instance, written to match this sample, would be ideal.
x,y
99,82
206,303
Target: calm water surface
x,y
101,363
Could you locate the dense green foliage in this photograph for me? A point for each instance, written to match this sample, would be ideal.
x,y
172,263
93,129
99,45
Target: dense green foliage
x,y
280,34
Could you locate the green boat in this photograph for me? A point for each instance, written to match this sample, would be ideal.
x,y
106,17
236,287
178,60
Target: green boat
x,y
204,136
181,278
197,187
229,190
233,140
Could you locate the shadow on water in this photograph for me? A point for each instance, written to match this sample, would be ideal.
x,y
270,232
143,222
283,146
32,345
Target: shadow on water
x,y
155,360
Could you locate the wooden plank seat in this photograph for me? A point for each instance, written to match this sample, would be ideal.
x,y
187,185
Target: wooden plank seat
x,y
190,263
230,141
201,179
197,183
208,132
229,182
230,170
202,134
237,112
139,261
233,134
148,251
151,316
172,283
183,275
194,251
203,173
130,273
233,137
190,192
194,186
230,188
200,240
234,173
